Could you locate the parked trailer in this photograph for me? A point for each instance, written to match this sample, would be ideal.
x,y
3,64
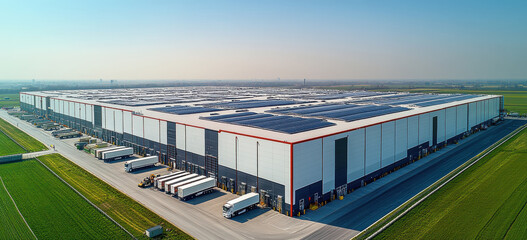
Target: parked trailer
x,y
240,205
156,180
117,153
98,151
140,163
161,183
174,187
176,180
56,133
196,189
69,135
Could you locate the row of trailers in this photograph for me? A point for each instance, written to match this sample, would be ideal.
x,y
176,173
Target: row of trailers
x,y
184,185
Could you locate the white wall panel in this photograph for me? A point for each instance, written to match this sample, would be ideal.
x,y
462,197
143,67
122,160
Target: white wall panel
x,y
413,132
71,109
246,149
89,113
401,139
472,114
138,126
440,114
82,111
487,110
307,163
276,157
226,149
151,129
195,140
77,109
461,119
163,132
127,118
109,119
180,136
480,112
328,162
424,128
118,117
388,143
373,148
451,122
356,154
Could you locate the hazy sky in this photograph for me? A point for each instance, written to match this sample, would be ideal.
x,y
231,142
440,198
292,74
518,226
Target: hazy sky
x,y
169,39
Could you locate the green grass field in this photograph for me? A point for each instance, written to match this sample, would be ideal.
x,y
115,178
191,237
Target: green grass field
x,y
9,147
31,144
127,212
52,209
12,101
13,226
487,201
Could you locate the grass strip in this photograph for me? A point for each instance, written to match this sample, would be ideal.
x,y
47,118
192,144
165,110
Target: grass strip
x,y
26,141
130,214
486,201
13,225
8,147
53,210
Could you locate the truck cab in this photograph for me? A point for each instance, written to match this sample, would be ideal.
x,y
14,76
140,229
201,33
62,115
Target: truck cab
x,y
227,210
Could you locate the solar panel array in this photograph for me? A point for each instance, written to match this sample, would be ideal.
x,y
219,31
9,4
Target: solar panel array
x,y
252,103
182,110
350,94
421,100
285,124
345,112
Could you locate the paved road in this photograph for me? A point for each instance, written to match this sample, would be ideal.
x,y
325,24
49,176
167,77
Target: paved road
x,y
360,217
201,217
36,154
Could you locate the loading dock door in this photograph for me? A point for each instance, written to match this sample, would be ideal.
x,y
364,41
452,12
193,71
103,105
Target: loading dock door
x,y
341,161
434,125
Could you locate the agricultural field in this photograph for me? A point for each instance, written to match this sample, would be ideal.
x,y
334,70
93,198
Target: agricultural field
x,y
9,147
53,210
13,226
9,100
487,201
110,200
28,142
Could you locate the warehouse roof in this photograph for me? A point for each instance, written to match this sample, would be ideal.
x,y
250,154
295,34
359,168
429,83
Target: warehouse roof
x,y
288,115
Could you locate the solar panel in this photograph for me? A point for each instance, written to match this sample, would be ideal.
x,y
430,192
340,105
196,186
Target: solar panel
x,y
253,103
183,110
285,124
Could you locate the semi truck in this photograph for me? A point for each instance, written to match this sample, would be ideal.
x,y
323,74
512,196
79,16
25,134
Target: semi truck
x,y
165,176
196,189
98,151
117,154
174,187
240,205
69,135
161,183
140,163
176,180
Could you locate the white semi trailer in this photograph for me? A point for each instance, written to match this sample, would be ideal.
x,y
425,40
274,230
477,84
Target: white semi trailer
x,y
196,189
173,187
117,154
98,152
161,182
156,180
169,183
140,163
240,205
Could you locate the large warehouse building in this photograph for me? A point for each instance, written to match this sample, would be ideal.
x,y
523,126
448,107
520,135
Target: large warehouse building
x,y
295,146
